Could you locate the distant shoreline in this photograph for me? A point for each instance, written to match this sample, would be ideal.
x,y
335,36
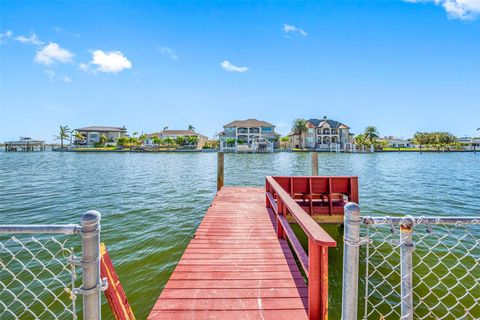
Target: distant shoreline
x,y
277,151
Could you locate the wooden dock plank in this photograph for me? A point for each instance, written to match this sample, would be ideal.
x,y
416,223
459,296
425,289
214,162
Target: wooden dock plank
x,y
235,266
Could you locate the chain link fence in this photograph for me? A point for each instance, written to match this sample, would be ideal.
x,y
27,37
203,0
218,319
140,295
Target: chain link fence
x,y
37,278
38,272
411,268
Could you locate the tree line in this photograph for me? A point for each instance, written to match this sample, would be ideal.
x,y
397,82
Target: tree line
x,y
437,140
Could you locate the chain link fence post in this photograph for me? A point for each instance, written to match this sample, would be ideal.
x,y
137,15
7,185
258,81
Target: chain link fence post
x,y
350,261
406,269
91,287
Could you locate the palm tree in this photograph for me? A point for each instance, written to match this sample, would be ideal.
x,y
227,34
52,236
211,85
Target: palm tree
x,y
156,141
142,138
371,134
122,141
193,140
180,140
300,127
165,128
63,134
359,139
103,139
284,141
191,127
78,137
168,141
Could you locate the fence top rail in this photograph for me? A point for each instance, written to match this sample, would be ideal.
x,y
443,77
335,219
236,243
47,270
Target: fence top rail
x,y
309,226
421,220
40,228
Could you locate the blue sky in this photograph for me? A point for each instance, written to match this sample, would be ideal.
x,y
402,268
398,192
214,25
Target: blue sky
x,y
401,66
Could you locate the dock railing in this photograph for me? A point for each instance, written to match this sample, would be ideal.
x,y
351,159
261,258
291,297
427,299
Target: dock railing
x,y
37,274
410,267
315,264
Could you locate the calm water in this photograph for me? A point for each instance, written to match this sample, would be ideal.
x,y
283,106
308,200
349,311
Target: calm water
x,y
151,204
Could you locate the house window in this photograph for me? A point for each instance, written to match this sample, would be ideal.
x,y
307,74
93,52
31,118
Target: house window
x,y
267,129
229,129
311,130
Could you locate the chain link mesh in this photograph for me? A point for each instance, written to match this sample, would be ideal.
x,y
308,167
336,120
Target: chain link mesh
x,y
446,269
36,278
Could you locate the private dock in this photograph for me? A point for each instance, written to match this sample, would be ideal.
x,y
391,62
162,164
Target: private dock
x,y
25,144
240,264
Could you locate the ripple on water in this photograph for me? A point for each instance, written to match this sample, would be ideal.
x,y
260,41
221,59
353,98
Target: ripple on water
x,y
151,204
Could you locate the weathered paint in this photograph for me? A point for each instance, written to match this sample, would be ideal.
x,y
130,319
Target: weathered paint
x,y
235,267
316,264
115,295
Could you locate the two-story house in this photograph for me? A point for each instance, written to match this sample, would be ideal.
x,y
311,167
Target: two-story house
x,y
324,134
249,135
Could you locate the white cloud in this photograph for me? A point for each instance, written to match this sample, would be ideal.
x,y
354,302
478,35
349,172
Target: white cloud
x,y
67,79
33,39
456,9
84,67
228,66
288,28
111,62
169,52
50,74
52,53
5,35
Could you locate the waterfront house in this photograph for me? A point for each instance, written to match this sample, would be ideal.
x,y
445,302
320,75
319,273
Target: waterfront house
x,y
324,134
469,144
173,134
91,135
250,135
393,142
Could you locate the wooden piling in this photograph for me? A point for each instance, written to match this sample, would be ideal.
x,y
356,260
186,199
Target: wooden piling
x,y
314,163
220,170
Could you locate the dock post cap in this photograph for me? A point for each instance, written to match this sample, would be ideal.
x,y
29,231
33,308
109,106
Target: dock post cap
x,y
90,218
352,206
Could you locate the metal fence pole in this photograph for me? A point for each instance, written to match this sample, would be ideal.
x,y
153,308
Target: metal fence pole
x,y
406,269
350,261
91,287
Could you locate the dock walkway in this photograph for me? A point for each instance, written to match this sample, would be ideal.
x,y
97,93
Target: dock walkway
x,y
235,267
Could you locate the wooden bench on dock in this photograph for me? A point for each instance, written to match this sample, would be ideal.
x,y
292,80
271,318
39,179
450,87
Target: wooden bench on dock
x,y
239,264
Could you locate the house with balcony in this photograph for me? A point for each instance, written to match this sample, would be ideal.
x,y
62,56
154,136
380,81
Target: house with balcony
x,y
323,135
250,135
91,135
173,134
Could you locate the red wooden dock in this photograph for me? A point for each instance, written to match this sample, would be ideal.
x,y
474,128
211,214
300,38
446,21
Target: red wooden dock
x,y
240,266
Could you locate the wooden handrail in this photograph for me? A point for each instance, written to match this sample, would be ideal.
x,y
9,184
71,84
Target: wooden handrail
x,y
315,264
308,225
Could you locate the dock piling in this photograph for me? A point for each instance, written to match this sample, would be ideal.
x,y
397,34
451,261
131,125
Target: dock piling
x,y
314,163
220,170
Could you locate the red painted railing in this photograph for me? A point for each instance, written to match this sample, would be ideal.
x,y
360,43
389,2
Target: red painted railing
x,y
321,195
315,264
